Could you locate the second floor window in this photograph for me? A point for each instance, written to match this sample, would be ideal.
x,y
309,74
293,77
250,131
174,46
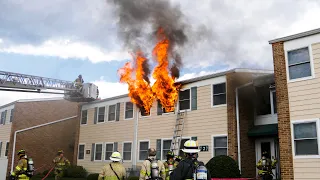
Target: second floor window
x,y
219,94
84,116
128,110
3,117
101,114
112,113
184,99
299,65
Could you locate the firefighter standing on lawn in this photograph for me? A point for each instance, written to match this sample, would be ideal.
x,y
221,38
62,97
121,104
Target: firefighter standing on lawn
x,y
113,170
61,164
170,164
152,168
190,168
22,170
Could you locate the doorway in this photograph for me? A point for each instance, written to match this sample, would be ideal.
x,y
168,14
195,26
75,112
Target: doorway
x,y
271,146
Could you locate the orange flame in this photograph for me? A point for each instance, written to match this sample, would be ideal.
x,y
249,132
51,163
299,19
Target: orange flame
x,y
140,90
164,89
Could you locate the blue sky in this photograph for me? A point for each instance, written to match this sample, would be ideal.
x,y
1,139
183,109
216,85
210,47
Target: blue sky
x,y
63,38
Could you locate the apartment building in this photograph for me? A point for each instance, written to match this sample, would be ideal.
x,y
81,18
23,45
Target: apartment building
x,y
116,124
41,127
297,78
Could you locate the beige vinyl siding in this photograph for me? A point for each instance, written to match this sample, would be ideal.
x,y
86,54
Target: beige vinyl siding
x,y
5,131
202,123
115,131
304,103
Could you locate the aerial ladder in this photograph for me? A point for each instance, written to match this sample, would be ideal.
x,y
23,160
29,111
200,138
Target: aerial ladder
x,y
10,81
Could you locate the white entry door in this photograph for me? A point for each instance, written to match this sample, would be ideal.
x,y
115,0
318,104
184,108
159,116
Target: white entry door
x,y
268,145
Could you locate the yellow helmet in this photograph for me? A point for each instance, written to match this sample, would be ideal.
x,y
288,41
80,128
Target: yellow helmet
x,y
60,152
191,146
115,156
22,152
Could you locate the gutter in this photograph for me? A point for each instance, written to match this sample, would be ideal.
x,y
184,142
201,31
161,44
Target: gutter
x,y
135,141
238,122
29,128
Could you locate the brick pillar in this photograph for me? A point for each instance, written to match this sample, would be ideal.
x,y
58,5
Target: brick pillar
x,y
232,123
286,162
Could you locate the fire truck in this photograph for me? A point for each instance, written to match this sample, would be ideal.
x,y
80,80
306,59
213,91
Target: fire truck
x,y
10,81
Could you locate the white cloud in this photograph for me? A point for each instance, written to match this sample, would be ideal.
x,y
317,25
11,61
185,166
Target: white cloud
x,y
110,89
66,49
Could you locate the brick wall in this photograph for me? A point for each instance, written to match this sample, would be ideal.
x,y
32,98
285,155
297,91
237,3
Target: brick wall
x,y
286,162
247,144
42,143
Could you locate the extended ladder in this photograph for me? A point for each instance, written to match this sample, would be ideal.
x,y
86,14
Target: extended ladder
x,y
178,131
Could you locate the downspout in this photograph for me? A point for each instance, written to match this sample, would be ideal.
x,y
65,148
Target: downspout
x,y
238,122
29,128
135,141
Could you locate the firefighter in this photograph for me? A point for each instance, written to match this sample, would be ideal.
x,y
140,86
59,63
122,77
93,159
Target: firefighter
x,y
265,166
152,168
20,171
178,158
61,164
190,168
113,170
170,164
79,81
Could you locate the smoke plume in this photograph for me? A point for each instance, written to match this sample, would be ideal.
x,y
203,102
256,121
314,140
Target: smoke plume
x,y
139,21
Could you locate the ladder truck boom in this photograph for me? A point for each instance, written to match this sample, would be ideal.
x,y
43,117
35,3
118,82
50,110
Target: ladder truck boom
x,y
10,81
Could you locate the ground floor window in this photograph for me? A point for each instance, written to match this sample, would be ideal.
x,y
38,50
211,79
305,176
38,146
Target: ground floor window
x,y
98,152
166,145
143,150
220,145
127,148
108,151
81,151
305,138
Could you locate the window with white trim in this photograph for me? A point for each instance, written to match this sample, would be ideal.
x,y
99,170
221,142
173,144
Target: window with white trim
x,y
127,148
11,115
128,110
299,65
184,99
219,94
112,113
81,151
98,152
266,100
143,150
108,151
7,149
305,138
84,116
163,110
166,144
3,117
220,145
101,114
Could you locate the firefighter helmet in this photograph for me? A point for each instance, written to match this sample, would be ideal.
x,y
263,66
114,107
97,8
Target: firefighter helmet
x,y
60,152
115,156
22,152
152,152
170,154
191,146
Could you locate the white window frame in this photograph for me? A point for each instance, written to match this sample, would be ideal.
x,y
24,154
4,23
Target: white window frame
x,y
124,114
311,64
141,117
5,117
163,155
104,116
271,101
163,113
212,143
189,100
84,152
317,121
115,113
86,119
105,149
95,150
139,148
124,142
220,105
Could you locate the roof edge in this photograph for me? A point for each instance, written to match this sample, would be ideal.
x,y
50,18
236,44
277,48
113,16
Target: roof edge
x,y
31,100
295,36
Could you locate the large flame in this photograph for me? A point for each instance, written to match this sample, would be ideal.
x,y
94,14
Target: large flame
x,y
140,90
164,89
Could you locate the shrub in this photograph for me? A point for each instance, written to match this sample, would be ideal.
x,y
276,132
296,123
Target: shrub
x,y
133,178
93,176
75,172
223,167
